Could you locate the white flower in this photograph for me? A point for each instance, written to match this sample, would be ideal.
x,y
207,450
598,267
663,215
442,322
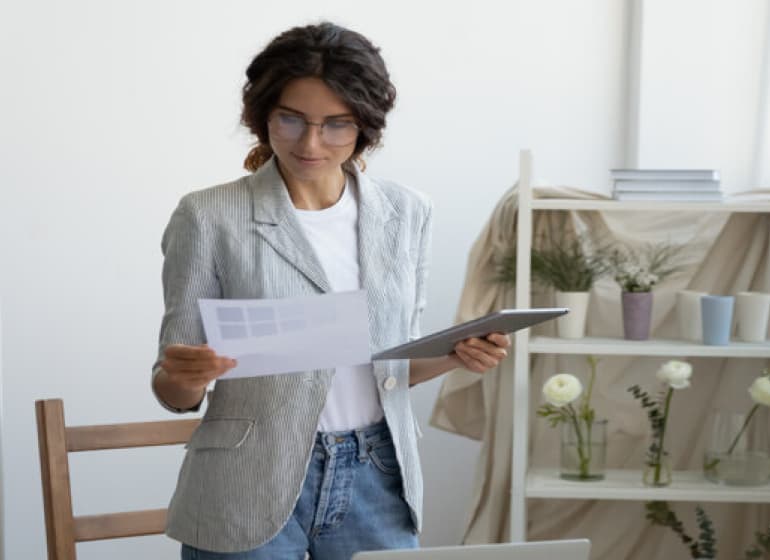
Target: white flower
x,y
561,389
760,390
648,279
632,270
675,373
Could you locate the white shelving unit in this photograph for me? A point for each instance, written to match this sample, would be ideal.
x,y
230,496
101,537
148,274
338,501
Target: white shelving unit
x,y
652,347
637,206
619,484
687,486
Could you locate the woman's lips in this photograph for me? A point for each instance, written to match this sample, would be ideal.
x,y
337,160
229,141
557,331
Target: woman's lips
x,y
308,160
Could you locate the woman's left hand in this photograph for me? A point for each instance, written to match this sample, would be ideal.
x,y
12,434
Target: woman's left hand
x,y
481,354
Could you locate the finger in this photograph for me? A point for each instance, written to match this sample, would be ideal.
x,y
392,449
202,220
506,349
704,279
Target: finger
x,y
195,372
187,352
479,356
480,344
469,362
200,378
188,380
488,354
499,339
487,347
191,366
224,365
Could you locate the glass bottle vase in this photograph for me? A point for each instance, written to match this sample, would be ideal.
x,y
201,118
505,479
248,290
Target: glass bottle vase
x,y
738,451
583,450
657,474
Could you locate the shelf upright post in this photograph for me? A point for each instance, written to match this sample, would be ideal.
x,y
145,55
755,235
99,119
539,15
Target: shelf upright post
x,y
520,396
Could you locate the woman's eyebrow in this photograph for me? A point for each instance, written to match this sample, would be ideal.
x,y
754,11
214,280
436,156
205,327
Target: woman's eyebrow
x,y
285,108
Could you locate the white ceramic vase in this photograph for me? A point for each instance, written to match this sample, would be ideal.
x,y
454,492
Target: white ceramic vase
x,y
688,315
752,310
573,324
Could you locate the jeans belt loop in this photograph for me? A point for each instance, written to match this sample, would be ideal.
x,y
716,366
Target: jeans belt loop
x,y
362,450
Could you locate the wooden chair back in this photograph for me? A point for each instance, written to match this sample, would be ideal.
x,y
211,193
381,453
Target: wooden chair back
x,y
56,440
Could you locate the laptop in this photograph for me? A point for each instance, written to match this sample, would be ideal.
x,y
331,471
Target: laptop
x,y
575,549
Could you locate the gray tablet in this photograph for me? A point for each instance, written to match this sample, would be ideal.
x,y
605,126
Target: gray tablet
x,y
443,342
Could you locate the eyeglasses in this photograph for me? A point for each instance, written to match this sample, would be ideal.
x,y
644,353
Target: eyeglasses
x,y
334,132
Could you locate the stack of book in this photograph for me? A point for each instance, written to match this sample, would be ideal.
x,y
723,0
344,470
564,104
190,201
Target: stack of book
x,y
686,185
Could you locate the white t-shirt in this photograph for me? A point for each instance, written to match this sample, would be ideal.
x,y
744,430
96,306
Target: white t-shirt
x,y
353,401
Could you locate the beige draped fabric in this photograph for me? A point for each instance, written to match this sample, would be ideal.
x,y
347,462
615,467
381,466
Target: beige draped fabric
x,y
725,254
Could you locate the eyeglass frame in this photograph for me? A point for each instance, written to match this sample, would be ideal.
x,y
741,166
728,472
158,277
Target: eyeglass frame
x,y
290,113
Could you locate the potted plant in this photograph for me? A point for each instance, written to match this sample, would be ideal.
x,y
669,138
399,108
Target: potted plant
x,y
637,271
569,265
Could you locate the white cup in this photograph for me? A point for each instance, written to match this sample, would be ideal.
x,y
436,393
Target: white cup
x,y
688,314
752,311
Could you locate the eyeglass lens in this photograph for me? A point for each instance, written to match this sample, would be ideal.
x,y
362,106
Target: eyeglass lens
x,y
335,132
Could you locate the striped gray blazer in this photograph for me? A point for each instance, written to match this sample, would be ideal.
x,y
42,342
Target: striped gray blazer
x,y
246,463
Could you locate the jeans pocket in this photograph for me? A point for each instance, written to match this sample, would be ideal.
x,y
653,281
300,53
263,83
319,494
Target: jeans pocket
x,y
383,456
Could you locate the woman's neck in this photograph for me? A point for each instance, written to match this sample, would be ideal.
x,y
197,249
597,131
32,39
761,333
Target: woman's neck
x,y
316,194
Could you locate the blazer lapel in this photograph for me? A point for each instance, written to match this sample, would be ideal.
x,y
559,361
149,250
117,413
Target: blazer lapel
x,y
377,230
277,223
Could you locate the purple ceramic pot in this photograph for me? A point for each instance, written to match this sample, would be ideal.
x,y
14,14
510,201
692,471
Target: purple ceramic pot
x,y
637,313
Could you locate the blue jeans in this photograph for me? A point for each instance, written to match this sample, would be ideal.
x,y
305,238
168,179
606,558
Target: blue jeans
x,y
351,500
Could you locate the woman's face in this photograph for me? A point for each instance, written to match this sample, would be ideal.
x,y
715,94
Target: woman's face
x,y
311,152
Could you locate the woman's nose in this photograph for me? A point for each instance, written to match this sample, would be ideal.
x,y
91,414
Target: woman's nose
x,y
311,136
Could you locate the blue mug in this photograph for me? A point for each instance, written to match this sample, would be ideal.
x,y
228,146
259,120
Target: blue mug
x,y
717,317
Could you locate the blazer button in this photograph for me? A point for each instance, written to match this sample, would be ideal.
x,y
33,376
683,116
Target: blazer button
x,y
390,383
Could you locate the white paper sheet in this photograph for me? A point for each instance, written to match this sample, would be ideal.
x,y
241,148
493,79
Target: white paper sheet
x,y
269,336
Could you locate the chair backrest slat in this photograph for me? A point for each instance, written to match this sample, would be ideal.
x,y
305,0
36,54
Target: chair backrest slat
x,y
56,440
55,476
119,525
135,434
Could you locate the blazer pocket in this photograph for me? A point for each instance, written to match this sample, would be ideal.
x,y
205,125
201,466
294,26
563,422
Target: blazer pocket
x,y
221,433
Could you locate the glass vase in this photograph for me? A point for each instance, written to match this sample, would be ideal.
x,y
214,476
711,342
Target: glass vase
x,y
738,452
583,450
657,474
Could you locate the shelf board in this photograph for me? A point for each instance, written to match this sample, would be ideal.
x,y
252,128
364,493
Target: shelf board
x,y
756,206
652,347
686,486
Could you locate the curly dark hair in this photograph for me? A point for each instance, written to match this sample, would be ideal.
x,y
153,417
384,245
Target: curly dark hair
x,y
348,63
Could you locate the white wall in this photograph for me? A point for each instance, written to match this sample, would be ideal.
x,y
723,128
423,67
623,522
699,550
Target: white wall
x,y
701,72
111,111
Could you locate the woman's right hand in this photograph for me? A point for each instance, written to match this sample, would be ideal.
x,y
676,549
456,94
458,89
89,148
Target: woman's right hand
x,y
192,368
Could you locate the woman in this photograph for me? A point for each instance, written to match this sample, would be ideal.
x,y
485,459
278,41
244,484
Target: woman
x,y
322,461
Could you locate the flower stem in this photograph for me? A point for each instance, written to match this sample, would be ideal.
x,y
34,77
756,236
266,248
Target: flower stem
x,y
589,447
586,410
743,429
584,461
664,421
592,361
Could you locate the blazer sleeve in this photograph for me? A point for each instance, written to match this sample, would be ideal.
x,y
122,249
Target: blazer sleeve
x,y
189,273
423,260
